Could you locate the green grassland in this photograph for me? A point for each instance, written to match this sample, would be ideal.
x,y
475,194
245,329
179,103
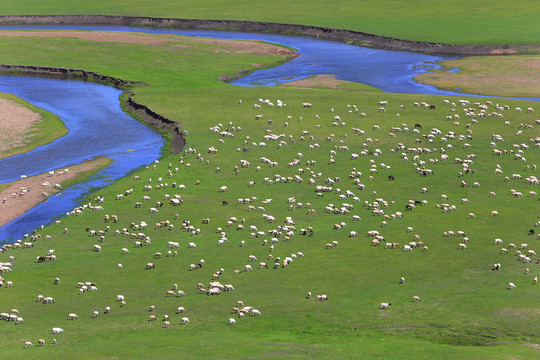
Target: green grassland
x,y
466,310
46,130
447,21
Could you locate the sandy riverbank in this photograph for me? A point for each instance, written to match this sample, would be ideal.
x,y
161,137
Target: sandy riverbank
x,y
20,196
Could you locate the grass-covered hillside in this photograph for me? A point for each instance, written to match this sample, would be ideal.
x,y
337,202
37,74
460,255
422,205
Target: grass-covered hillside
x,y
466,309
447,21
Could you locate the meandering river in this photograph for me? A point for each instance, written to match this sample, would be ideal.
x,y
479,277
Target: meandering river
x,y
98,127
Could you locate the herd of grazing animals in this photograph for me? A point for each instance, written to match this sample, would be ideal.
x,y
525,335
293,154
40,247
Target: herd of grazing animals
x,y
319,182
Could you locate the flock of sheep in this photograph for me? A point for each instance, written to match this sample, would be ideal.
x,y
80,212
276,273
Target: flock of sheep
x,y
333,195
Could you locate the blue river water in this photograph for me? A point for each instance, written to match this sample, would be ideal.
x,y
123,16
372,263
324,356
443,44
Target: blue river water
x,y
97,127
391,71
88,108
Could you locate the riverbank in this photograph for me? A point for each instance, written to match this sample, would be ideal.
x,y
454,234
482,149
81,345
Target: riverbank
x,y
326,33
18,197
23,126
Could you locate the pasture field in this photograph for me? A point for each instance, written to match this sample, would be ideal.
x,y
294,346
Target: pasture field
x,y
464,301
47,129
448,21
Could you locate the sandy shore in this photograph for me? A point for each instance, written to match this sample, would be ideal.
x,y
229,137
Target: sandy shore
x,y
16,121
22,195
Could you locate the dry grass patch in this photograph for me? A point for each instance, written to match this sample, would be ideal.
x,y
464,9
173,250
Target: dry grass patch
x,y
517,76
106,36
239,46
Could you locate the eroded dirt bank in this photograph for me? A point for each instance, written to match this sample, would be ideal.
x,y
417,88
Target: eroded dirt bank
x,y
354,37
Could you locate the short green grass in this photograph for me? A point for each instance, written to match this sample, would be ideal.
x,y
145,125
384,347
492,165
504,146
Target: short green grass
x,y
46,130
447,21
464,302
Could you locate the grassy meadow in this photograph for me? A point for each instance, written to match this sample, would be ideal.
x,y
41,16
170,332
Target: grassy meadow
x,y
466,310
447,21
46,130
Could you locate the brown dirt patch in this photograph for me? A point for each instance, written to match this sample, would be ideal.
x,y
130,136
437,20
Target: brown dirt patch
x,y
106,36
16,121
329,81
489,75
14,201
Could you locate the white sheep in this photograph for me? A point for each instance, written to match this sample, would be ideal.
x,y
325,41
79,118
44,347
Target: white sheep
x,y
511,286
232,321
384,305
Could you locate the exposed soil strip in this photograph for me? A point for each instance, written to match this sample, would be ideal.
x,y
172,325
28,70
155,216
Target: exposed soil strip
x,y
158,122
71,73
353,37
